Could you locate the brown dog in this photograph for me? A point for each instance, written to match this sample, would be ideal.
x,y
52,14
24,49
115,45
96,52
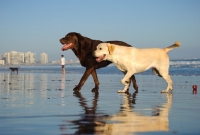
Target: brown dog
x,y
83,48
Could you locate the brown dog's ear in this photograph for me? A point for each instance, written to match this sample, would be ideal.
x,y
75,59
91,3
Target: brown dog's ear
x,y
110,48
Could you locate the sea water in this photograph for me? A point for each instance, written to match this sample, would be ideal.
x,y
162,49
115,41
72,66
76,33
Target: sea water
x,y
186,67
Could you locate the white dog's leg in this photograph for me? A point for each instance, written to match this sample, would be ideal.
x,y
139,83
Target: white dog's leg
x,y
126,82
126,86
169,84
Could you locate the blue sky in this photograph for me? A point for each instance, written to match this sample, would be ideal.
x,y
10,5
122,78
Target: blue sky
x,y
37,25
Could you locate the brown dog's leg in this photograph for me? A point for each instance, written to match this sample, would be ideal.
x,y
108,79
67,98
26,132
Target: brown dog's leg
x,y
96,81
88,71
134,82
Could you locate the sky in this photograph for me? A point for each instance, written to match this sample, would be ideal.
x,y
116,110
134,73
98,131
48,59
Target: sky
x,y
37,25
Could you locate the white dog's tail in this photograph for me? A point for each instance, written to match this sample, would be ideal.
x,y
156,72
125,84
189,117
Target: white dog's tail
x,y
175,45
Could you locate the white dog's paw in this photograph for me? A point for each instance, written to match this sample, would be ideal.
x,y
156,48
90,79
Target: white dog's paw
x,y
164,91
122,91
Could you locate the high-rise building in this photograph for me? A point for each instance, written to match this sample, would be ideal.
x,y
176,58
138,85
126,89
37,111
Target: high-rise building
x,y
2,62
29,58
43,58
14,57
7,58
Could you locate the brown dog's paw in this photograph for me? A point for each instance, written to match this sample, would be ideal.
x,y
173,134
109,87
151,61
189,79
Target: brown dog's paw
x,y
77,89
95,90
135,87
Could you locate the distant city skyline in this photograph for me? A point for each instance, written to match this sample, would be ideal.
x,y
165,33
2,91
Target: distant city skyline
x,y
15,58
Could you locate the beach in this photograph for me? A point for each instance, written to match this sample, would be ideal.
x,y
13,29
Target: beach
x,y
44,103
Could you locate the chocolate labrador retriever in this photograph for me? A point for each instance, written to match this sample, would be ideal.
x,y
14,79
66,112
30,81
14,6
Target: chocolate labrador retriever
x,y
83,48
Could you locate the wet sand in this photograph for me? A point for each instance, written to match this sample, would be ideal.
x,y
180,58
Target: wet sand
x,y
44,103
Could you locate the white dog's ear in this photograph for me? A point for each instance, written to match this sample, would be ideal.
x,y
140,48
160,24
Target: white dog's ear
x,y
110,48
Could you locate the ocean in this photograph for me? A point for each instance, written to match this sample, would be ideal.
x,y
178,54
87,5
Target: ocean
x,y
188,67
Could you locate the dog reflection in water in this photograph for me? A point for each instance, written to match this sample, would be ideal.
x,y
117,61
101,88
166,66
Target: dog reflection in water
x,y
126,121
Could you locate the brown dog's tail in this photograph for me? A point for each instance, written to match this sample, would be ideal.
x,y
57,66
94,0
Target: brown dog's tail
x,y
169,48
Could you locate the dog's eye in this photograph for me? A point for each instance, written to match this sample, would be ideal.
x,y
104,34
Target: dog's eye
x,y
100,48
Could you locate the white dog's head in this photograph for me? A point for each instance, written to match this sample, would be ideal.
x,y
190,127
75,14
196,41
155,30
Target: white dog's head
x,y
103,51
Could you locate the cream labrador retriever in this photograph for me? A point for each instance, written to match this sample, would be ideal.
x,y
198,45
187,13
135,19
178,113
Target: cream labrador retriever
x,y
133,60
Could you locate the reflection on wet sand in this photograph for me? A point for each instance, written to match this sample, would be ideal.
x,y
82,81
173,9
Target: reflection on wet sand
x,y
127,121
17,82
62,86
89,120
62,82
43,82
22,81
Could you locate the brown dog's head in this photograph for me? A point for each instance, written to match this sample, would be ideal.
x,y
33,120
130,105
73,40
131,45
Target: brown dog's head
x,y
70,41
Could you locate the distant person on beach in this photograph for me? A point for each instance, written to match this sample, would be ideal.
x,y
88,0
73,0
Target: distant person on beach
x,y
62,62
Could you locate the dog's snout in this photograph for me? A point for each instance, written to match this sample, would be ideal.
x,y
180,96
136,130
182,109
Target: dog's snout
x,y
61,41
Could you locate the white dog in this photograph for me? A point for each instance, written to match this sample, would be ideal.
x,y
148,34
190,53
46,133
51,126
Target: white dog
x,y
133,60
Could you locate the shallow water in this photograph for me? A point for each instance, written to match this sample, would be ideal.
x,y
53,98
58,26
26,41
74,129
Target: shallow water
x,y
187,67
44,103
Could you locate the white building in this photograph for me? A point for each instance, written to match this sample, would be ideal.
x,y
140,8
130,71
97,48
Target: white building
x,y
30,58
2,62
43,58
7,58
14,58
